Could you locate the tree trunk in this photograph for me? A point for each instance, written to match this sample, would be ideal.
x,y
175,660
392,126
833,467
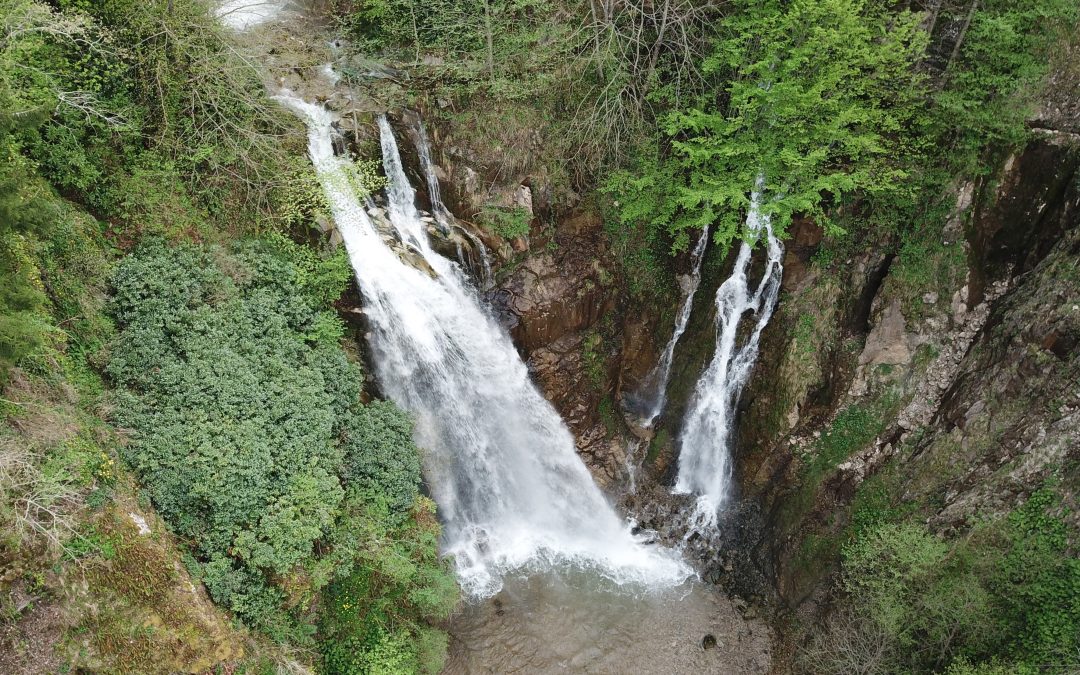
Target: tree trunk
x,y
931,20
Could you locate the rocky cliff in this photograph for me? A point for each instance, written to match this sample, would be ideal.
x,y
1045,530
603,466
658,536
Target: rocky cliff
x,y
956,391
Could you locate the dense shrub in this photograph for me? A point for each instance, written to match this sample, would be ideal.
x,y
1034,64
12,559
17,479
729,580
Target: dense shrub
x,y
373,462
248,433
152,119
375,614
1003,598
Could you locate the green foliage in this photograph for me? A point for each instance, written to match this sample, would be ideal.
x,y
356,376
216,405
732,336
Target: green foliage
x,y
235,412
991,87
1038,583
814,93
490,39
508,223
377,609
151,118
376,458
322,278
852,429
593,353
636,227
657,445
23,211
302,201
1003,598
247,427
850,114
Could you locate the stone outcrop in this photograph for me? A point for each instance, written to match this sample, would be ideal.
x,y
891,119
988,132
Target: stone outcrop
x,y
973,382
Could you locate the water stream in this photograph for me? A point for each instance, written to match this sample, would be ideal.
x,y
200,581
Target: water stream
x,y
652,396
442,214
705,443
512,492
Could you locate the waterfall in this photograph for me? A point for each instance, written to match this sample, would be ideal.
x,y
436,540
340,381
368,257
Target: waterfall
x,y
705,443
439,210
652,396
423,150
400,195
241,15
631,465
512,492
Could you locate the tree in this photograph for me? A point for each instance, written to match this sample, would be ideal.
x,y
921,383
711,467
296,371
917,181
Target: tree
x,y
813,97
21,212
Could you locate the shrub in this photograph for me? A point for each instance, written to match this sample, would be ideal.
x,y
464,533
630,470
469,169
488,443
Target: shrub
x,y
247,429
1003,598
378,457
376,612
508,223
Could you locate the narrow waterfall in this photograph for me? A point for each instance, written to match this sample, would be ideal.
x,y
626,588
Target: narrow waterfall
x,y
400,195
512,492
705,442
439,210
423,150
652,396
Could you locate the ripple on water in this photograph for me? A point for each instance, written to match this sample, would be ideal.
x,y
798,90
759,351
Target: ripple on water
x,y
577,622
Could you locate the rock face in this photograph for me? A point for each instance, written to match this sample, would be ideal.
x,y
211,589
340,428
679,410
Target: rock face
x,y
888,342
556,294
968,388
562,306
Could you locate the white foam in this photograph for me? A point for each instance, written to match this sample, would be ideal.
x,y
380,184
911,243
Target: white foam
x,y
512,492
241,15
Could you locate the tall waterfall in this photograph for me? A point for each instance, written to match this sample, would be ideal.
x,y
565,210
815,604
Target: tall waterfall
x,y
439,210
705,443
651,398
500,463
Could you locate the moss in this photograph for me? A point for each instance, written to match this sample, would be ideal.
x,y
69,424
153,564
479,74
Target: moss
x,y
607,415
139,611
657,445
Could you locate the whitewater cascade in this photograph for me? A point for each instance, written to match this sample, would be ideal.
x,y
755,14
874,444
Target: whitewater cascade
x,y
241,15
439,210
705,443
652,396
511,490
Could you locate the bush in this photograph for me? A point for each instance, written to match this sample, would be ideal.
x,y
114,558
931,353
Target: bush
x,y
1003,598
246,425
376,612
508,223
377,458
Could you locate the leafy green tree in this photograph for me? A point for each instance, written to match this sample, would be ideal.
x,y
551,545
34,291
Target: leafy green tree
x,y
992,80
21,212
814,94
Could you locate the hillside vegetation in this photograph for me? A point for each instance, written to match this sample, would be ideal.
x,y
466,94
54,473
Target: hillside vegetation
x,y
192,477
181,401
